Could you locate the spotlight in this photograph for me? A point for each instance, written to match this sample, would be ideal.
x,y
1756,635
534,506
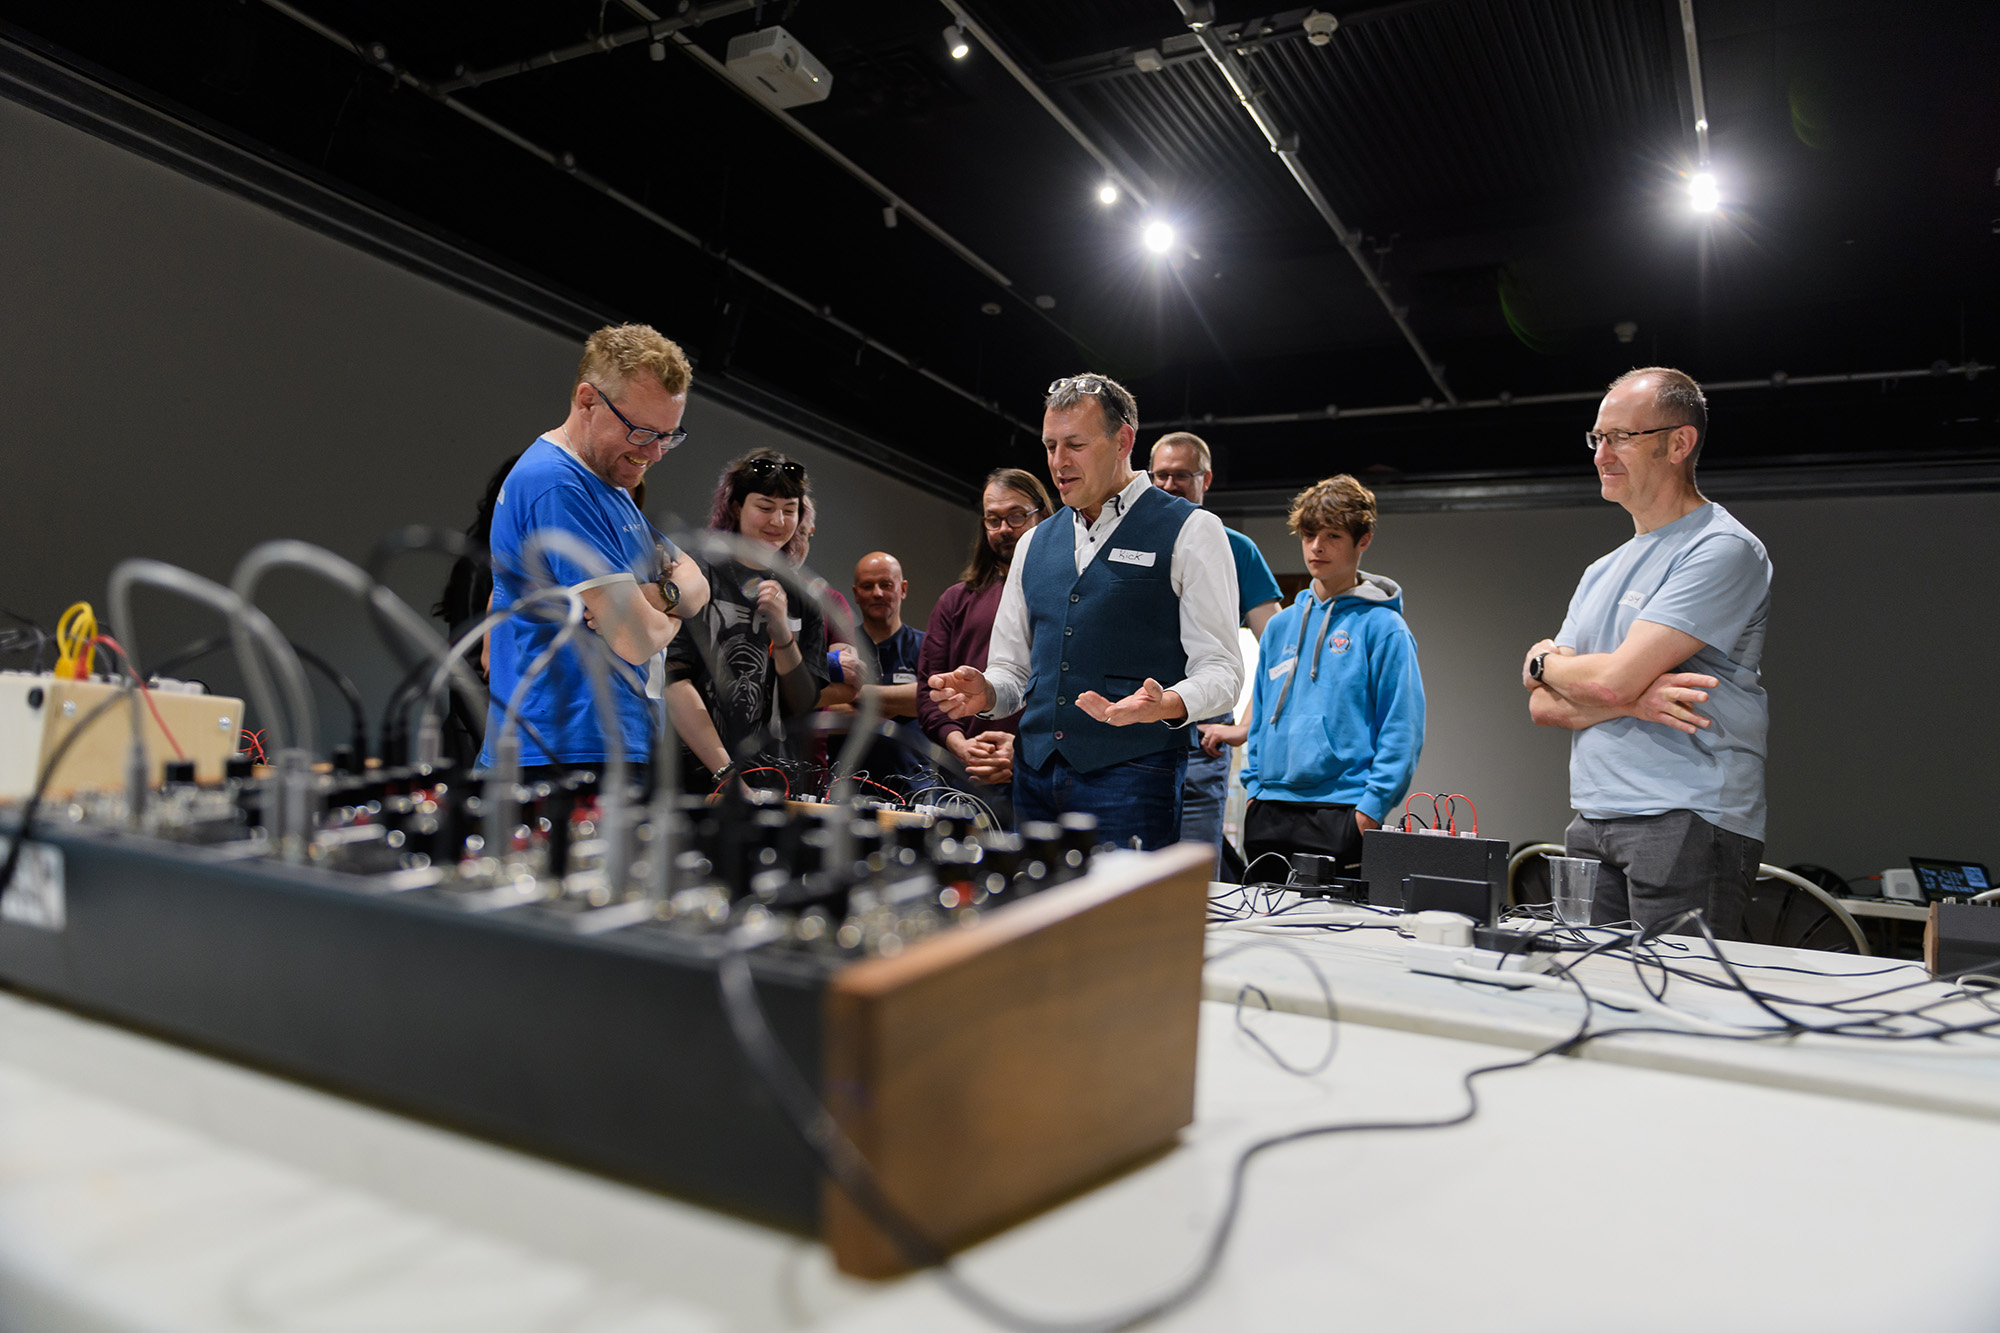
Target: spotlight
x,y
1107,193
954,42
1158,237
1703,192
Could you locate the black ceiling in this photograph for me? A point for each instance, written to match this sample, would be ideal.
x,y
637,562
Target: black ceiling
x,y
1515,169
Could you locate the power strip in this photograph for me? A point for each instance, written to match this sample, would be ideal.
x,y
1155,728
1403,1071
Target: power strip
x,y
1443,947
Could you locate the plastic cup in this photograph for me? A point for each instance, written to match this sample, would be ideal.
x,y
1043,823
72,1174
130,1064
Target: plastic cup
x,y
1572,886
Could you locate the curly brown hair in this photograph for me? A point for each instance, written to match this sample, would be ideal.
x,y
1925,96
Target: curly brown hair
x,y
1337,502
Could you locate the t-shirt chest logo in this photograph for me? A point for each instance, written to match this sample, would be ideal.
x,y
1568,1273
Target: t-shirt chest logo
x,y
1339,641
1634,599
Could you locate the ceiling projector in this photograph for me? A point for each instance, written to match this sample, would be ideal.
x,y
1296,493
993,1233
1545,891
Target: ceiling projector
x,y
776,70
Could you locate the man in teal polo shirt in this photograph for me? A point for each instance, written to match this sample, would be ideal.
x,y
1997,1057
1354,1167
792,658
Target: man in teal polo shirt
x,y
1180,464
1126,589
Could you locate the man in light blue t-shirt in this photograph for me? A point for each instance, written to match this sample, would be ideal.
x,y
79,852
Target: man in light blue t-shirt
x,y
1669,798
1180,464
625,412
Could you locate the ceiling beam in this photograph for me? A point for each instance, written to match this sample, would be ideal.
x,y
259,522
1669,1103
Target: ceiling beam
x,y
1285,143
1180,48
566,163
1972,370
1694,84
1128,179
653,30
1802,478
902,206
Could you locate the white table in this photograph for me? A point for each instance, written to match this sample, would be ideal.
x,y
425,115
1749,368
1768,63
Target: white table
x,y
1371,985
146,1187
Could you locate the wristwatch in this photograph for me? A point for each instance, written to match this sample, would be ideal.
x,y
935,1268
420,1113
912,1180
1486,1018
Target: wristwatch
x,y
1535,665
670,593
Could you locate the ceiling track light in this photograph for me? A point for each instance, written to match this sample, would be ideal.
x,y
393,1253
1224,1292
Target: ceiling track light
x,y
954,42
1158,237
1704,195
1107,194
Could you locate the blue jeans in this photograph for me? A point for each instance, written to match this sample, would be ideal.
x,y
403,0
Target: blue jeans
x,y
1138,800
1204,792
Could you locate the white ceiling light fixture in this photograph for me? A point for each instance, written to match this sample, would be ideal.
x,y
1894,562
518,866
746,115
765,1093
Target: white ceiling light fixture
x,y
1703,193
1107,194
954,42
1158,237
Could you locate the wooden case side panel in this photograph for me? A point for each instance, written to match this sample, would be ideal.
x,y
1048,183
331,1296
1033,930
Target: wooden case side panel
x,y
1006,1079
206,725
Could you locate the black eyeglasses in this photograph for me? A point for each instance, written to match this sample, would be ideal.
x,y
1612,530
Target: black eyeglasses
x,y
1618,439
639,435
1099,388
763,469
1013,519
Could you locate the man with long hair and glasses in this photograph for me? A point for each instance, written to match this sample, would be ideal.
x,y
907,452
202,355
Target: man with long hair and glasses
x,y
961,634
1656,671
625,411
755,659
1117,627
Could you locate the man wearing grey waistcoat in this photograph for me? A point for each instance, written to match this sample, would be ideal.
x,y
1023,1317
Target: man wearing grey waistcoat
x,y
1117,626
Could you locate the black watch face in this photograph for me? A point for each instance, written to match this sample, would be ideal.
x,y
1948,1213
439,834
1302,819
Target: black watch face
x,y
670,593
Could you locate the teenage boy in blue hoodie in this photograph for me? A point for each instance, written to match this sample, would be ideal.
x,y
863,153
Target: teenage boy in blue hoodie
x,y
1337,710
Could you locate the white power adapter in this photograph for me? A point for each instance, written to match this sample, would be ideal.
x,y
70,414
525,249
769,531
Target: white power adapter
x,y
1446,928
1443,947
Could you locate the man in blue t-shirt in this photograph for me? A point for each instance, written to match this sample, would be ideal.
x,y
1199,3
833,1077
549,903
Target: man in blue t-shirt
x,y
576,480
1668,797
1181,465
879,592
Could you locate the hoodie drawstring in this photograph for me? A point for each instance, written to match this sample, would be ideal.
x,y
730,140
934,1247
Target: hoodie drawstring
x,y
1298,651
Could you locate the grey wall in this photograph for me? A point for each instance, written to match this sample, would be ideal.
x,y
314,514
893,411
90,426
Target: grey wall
x,y
1881,666
184,374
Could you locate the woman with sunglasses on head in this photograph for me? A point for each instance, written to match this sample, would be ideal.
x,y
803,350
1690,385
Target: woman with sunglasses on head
x,y
755,658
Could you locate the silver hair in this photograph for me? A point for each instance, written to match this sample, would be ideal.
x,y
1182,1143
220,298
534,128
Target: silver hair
x,y
1113,399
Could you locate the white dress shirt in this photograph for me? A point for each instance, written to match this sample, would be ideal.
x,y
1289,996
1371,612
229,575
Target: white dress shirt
x,y
1203,572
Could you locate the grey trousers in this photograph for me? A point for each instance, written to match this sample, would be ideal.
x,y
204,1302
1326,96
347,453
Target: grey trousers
x,y
1658,866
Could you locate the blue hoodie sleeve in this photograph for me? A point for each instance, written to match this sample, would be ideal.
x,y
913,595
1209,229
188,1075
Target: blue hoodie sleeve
x,y
1397,696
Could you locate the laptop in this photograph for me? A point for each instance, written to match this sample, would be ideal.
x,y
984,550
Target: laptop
x,y
1943,881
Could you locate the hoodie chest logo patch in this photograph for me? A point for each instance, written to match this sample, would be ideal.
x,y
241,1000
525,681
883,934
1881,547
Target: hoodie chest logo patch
x,y
1339,641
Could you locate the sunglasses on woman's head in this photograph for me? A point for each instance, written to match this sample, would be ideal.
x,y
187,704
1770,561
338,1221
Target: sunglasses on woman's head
x,y
775,467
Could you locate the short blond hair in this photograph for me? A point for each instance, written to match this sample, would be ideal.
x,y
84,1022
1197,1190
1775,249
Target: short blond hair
x,y
1179,438
618,354
1337,502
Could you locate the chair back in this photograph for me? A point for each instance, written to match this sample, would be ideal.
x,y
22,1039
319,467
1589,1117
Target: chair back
x,y
1785,909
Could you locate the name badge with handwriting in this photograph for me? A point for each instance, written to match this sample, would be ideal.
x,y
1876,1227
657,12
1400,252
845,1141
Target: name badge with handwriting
x,y
1125,557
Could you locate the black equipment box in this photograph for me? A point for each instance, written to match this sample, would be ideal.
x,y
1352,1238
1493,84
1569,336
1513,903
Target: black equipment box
x,y
1388,857
611,1051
